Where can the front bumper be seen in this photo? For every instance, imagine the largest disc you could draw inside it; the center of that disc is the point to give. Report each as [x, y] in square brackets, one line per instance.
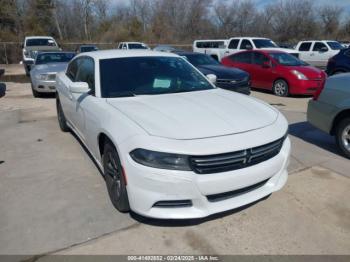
[147, 186]
[305, 87]
[44, 86]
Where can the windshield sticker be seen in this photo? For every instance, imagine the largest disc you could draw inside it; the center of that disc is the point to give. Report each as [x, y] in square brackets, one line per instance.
[161, 83]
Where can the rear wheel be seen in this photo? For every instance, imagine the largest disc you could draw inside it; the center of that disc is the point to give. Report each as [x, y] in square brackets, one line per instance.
[280, 88]
[342, 136]
[115, 180]
[60, 117]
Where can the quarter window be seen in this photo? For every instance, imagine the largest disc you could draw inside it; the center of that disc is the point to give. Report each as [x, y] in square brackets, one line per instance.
[259, 58]
[304, 47]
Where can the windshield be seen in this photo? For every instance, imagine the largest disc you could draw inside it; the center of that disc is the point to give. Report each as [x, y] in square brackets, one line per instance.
[137, 46]
[88, 48]
[287, 59]
[198, 60]
[40, 42]
[264, 43]
[335, 45]
[47, 58]
[149, 76]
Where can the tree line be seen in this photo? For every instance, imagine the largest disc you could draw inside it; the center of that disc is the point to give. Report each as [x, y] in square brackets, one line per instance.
[170, 21]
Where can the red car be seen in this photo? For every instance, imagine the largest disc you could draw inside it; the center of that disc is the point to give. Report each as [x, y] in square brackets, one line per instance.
[278, 71]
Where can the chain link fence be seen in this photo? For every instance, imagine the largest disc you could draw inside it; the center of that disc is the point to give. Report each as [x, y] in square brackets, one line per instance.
[11, 52]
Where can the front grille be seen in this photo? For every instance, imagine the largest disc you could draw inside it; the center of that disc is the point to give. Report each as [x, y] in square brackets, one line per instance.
[173, 203]
[235, 193]
[235, 160]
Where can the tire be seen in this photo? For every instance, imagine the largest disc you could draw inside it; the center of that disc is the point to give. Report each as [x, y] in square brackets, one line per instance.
[60, 117]
[342, 136]
[115, 180]
[280, 88]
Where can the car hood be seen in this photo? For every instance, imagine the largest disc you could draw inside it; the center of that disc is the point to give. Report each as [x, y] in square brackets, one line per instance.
[195, 115]
[51, 67]
[223, 72]
[309, 71]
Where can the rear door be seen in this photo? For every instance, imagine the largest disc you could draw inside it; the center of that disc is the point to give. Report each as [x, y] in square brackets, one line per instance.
[232, 47]
[305, 51]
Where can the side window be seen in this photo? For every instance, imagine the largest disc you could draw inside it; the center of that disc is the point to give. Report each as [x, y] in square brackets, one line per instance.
[86, 73]
[233, 44]
[304, 47]
[72, 70]
[245, 58]
[347, 53]
[246, 44]
[259, 58]
[319, 46]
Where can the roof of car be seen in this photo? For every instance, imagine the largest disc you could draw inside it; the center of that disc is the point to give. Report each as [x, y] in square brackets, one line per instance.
[118, 53]
[249, 37]
[38, 37]
[132, 43]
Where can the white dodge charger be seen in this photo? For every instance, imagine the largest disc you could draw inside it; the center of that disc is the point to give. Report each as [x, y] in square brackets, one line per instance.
[171, 144]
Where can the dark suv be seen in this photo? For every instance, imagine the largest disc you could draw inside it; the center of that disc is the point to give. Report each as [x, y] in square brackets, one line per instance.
[339, 63]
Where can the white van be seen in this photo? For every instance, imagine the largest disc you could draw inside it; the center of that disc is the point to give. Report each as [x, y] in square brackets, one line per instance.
[317, 52]
[237, 44]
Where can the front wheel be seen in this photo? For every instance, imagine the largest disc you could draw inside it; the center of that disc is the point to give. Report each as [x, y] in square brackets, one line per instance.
[280, 88]
[60, 117]
[115, 180]
[342, 136]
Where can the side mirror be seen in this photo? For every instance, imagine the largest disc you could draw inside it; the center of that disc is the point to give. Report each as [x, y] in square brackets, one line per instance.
[79, 87]
[323, 49]
[248, 47]
[212, 78]
[266, 64]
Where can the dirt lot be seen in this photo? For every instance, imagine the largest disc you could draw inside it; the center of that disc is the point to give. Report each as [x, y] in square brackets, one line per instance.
[53, 198]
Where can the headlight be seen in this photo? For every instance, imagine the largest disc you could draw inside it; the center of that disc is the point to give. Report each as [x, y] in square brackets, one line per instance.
[161, 160]
[299, 75]
[246, 79]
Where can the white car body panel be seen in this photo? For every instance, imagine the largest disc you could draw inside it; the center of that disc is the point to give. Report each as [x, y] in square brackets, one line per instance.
[315, 58]
[226, 50]
[195, 123]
